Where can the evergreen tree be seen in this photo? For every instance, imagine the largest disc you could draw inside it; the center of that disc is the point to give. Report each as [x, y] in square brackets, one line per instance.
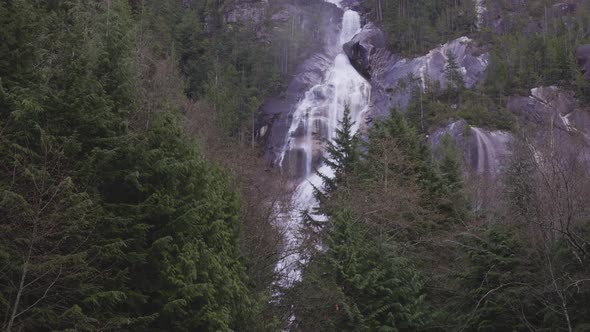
[414, 27]
[451, 163]
[365, 285]
[105, 227]
[342, 152]
[451, 168]
[453, 75]
[413, 149]
[519, 179]
[417, 105]
[502, 268]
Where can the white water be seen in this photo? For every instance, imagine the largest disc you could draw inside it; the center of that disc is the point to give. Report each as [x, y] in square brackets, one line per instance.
[491, 148]
[336, 2]
[480, 9]
[315, 120]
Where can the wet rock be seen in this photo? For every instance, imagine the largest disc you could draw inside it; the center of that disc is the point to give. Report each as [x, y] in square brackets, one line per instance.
[363, 46]
[276, 112]
[294, 163]
[355, 5]
[484, 151]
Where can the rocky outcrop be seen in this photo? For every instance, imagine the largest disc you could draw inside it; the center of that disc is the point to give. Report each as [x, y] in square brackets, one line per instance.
[368, 53]
[551, 114]
[548, 114]
[547, 105]
[362, 48]
[485, 151]
[583, 58]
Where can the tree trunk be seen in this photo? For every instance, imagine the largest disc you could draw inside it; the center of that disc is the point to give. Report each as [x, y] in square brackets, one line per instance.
[21, 285]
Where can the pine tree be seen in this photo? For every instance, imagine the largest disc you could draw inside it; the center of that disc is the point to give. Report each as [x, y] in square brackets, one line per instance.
[453, 73]
[451, 171]
[519, 179]
[498, 256]
[450, 164]
[53, 114]
[342, 152]
[104, 227]
[364, 285]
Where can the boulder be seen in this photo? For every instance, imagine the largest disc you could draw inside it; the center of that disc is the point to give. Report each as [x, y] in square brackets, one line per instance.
[363, 46]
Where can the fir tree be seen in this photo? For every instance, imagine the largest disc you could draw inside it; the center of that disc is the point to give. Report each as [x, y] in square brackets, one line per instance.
[105, 227]
[359, 284]
[342, 152]
[450, 166]
[453, 73]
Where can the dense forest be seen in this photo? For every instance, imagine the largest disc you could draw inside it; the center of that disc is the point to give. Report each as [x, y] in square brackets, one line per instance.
[136, 195]
[113, 216]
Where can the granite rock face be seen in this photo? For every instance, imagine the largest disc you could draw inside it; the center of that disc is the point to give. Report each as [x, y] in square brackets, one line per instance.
[263, 16]
[545, 105]
[368, 53]
[485, 151]
[362, 48]
[551, 114]
[548, 114]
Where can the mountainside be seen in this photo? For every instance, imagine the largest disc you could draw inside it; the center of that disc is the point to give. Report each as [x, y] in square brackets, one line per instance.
[295, 165]
[496, 92]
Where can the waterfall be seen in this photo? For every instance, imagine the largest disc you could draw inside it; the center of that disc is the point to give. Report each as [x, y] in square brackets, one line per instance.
[351, 23]
[315, 121]
[480, 10]
[336, 2]
[490, 149]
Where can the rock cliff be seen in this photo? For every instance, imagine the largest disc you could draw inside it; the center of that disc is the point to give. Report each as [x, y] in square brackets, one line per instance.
[368, 53]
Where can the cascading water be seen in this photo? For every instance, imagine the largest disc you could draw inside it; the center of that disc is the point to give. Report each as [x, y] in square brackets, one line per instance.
[315, 121]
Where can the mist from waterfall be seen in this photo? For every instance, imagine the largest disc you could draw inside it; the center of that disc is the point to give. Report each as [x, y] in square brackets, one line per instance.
[314, 122]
